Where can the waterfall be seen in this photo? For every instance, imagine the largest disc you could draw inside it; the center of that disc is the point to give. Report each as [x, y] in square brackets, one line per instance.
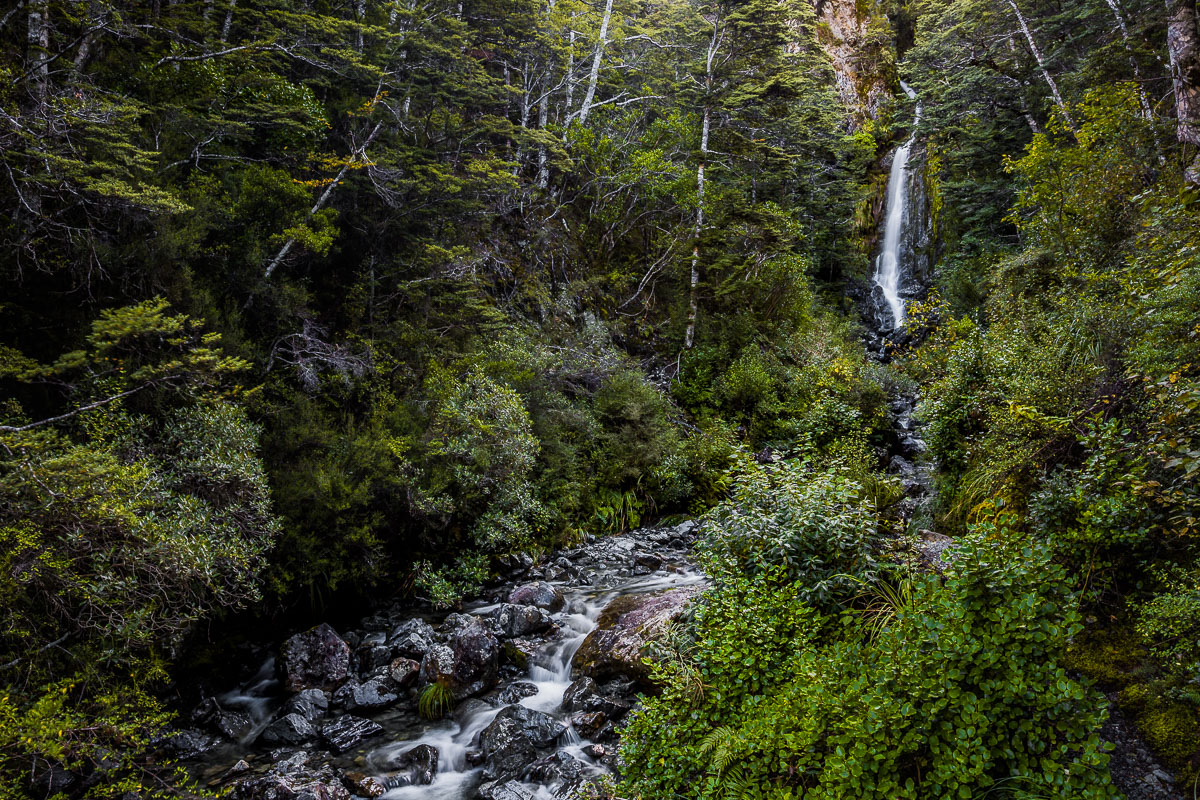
[888, 269]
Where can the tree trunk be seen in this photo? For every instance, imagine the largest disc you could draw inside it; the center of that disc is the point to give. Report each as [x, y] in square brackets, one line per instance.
[1183, 45]
[1041, 62]
[1143, 101]
[228, 24]
[689, 337]
[597, 57]
[38, 52]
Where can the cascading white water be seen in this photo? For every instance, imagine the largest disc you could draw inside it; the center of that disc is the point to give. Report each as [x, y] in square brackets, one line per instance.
[887, 265]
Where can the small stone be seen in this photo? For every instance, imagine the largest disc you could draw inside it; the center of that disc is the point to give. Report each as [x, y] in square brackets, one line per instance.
[588, 723]
[540, 594]
[515, 692]
[403, 671]
[595, 751]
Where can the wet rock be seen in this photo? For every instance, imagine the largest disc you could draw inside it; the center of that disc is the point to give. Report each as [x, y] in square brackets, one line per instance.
[557, 768]
[588, 723]
[53, 779]
[513, 620]
[317, 658]
[293, 779]
[625, 627]
[419, 765]
[412, 639]
[188, 744]
[468, 665]
[347, 732]
[515, 692]
[517, 652]
[290, 729]
[596, 751]
[312, 704]
[371, 657]
[538, 593]
[649, 561]
[511, 741]
[901, 466]
[363, 785]
[685, 529]
[240, 768]
[368, 696]
[403, 671]
[933, 550]
[505, 790]
[232, 725]
[585, 695]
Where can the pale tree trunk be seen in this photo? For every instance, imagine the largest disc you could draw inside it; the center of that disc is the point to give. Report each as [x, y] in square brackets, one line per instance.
[360, 12]
[1041, 62]
[359, 153]
[543, 174]
[689, 337]
[228, 24]
[1183, 45]
[570, 72]
[38, 53]
[1143, 101]
[597, 57]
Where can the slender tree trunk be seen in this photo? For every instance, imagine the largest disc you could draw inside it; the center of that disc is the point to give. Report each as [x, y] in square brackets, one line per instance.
[597, 57]
[1143, 101]
[360, 12]
[1041, 62]
[1183, 45]
[570, 90]
[38, 52]
[689, 337]
[228, 24]
[543, 175]
[323, 199]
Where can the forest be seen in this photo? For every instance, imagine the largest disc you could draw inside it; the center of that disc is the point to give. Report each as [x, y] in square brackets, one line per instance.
[327, 312]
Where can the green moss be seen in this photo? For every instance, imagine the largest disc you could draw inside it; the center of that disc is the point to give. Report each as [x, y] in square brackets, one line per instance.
[1170, 729]
[1113, 657]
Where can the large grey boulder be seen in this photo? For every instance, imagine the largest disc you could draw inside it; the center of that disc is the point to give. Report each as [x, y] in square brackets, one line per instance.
[347, 732]
[513, 620]
[625, 627]
[412, 639]
[366, 696]
[289, 730]
[315, 659]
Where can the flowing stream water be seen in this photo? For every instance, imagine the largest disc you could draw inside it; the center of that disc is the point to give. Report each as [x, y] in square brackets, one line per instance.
[889, 272]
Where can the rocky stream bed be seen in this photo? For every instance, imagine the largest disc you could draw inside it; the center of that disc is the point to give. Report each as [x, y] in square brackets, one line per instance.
[539, 677]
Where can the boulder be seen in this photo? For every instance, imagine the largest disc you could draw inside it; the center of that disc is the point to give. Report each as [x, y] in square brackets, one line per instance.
[312, 704]
[419, 766]
[187, 744]
[588, 723]
[595, 751]
[505, 790]
[367, 696]
[511, 741]
[289, 730]
[363, 785]
[513, 620]
[585, 696]
[293, 778]
[468, 665]
[315, 659]
[403, 671]
[348, 731]
[515, 692]
[517, 652]
[233, 725]
[625, 627]
[540, 594]
[557, 768]
[648, 561]
[370, 657]
[412, 639]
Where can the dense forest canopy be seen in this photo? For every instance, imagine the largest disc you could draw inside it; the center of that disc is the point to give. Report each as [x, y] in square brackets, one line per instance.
[309, 303]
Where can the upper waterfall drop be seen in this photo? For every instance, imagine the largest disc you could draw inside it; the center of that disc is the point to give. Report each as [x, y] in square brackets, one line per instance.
[887, 265]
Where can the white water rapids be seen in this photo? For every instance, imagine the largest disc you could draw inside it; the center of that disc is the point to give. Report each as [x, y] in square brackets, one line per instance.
[887, 266]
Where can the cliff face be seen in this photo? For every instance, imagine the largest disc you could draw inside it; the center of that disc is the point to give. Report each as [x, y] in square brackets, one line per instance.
[859, 40]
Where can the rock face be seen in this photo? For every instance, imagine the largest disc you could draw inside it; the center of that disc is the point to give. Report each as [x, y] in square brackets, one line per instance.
[625, 627]
[412, 639]
[511, 741]
[539, 594]
[862, 82]
[290, 729]
[468, 665]
[315, 659]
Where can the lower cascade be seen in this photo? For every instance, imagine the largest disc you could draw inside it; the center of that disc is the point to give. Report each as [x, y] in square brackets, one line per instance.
[890, 268]
[343, 712]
